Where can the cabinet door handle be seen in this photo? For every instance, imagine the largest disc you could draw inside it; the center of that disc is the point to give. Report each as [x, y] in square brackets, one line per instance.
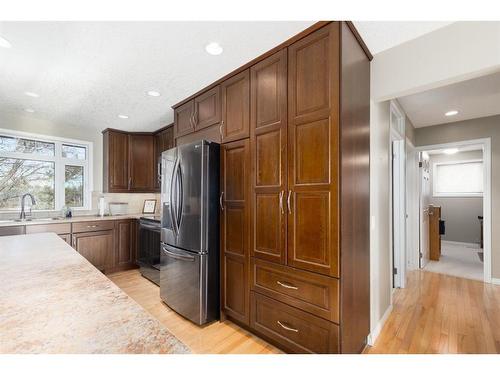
[129, 182]
[288, 286]
[284, 326]
[281, 202]
[195, 119]
[220, 129]
[288, 201]
[221, 202]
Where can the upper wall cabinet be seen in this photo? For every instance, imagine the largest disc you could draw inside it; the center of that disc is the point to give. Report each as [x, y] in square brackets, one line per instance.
[115, 158]
[164, 140]
[198, 113]
[129, 162]
[235, 107]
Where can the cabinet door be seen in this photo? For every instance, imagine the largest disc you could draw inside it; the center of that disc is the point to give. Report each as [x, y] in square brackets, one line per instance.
[235, 107]
[117, 166]
[142, 162]
[164, 140]
[234, 229]
[207, 109]
[268, 120]
[183, 119]
[313, 156]
[96, 247]
[124, 242]
[66, 238]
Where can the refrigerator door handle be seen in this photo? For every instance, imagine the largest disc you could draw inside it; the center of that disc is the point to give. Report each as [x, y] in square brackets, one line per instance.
[188, 258]
[173, 216]
[180, 200]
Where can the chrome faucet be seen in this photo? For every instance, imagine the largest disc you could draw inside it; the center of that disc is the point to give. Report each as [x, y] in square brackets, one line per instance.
[33, 202]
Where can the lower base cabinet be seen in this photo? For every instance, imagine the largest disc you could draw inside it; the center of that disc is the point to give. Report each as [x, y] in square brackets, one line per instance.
[96, 247]
[293, 329]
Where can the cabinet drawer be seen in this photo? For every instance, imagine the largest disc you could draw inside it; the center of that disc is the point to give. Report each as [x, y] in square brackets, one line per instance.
[294, 329]
[12, 231]
[59, 228]
[308, 291]
[92, 226]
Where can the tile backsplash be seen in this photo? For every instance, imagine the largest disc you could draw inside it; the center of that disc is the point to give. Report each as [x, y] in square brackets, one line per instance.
[135, 204]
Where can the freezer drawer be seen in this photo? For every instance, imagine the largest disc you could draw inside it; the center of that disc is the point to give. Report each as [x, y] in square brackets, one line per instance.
[183, 282]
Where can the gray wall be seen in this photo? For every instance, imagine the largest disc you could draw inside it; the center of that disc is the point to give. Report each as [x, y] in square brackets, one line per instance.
[459, 213]
[486, 127]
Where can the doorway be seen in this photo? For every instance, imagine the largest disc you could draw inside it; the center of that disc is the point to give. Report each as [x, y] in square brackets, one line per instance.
[454, 209]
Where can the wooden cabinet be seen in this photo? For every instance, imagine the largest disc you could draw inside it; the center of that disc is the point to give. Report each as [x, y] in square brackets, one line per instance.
[129, 162]
[268, 139]
[183, 119]
[235, 175]
[235, 107]
[115, 157]
[295, 190]
[96, 247]
[313, 152]
[207, 109]
[12, 231]
[142, 162]
[198, 113]
[164, 140]
[125, 238]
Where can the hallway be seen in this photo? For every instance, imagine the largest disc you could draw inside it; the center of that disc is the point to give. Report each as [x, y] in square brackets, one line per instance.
[442, 314]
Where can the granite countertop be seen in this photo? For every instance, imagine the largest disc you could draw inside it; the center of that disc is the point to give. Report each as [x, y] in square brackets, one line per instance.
[52, 300]
[74, 219]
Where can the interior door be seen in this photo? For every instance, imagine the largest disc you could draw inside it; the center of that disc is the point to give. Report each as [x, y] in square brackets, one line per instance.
[268, 135]
[425, 195]
[313, 152]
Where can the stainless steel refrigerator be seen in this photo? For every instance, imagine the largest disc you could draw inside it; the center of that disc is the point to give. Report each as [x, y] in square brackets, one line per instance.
[189, 261]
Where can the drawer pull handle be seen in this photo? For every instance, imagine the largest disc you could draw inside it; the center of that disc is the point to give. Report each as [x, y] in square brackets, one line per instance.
[284, 326]
[92, 226]
[286, 285]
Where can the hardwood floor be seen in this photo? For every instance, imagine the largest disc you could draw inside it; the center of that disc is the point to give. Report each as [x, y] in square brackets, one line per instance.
[435, 314]
[217, 337]
[442, 314]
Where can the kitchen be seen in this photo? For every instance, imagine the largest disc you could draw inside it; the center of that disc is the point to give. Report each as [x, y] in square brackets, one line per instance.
[190, 187]
[201, 205]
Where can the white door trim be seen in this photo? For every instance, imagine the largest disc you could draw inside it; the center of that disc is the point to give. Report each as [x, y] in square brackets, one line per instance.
[486, 143]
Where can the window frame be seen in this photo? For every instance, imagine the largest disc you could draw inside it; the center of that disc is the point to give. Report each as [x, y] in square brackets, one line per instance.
[60, 163]
[454, 195]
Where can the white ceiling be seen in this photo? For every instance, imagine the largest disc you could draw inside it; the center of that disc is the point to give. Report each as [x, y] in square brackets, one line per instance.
[87, 73]
[478, 97]
[382, 35]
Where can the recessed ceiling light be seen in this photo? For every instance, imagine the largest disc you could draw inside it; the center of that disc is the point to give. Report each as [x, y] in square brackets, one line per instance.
[32, 94]
[4, 43]
[29, 110]
[450, 151]
[153, 93]
[123, 116]
[451, 113]
[214, 48]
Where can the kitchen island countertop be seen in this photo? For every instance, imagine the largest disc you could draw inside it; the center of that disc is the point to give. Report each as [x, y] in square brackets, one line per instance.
[52, 300]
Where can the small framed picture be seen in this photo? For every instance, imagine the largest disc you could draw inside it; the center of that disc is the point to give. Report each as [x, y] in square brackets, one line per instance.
[149, 206]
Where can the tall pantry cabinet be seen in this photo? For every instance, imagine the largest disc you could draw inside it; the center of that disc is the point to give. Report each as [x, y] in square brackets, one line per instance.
[295, 192]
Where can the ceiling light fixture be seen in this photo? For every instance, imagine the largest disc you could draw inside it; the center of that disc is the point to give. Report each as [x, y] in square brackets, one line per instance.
[32, 94]
[450, 151]
[29, 110]
[153, 93]
[4, 43]
[451, 113]
[123, 116]
[214, 48]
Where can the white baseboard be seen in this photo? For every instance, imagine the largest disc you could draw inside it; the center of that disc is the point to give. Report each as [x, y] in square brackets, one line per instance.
[463, 244]
[372, 337]
[495, 281]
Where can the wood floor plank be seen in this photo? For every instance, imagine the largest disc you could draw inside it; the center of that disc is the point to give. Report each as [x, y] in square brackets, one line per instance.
[218, 337]
[438, 313]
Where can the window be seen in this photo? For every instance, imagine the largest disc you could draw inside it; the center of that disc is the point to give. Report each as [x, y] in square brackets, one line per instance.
[458, 179]
[56, 171]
